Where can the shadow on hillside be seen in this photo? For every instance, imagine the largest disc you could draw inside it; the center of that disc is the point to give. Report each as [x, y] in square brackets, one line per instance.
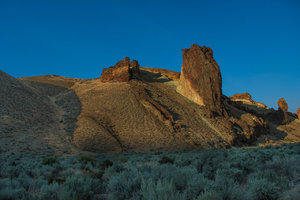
[67, 103]
[153, 77]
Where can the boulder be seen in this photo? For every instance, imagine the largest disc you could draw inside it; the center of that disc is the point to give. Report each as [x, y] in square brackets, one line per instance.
[123, 71]
[200, 78]
[282, 109]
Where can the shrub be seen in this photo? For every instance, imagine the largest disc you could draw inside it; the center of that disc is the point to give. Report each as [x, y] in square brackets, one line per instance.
[158, 153]
[230, 173]
[80, 187]
[11, 193]
[125, 184]
[50, 160]
[181, 177]
[198, 184]
[271, 176]
[209, 195]
[160, 190]
[291, 194]
[87, 159]
[228, 188]
[50, 192]
[165, 160]
[113, 170]
[106, 163]
[122, 159]
[262, 189]
[51, 179]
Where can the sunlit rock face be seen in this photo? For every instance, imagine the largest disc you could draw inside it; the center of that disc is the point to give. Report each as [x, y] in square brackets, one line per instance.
[123, 71]
[200, 79]
[246, 98]
[298, 113]
[283, 108]
[242, 96]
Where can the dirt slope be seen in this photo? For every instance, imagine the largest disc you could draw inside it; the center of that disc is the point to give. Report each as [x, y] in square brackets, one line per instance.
[31, 119]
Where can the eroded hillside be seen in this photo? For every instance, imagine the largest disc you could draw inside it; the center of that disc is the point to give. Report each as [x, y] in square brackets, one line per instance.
[131, 108]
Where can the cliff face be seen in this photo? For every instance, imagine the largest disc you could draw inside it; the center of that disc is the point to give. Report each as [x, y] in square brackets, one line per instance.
[200, 79]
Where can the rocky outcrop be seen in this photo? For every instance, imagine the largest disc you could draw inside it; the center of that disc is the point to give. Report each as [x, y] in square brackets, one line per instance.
[248, 128]
[298, 113]
[200, 79]
[242, 96]
[282, 109]
[123, 71]
[245, 98]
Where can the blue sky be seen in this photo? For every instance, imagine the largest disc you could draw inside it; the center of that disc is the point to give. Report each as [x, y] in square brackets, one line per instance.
[256, 43]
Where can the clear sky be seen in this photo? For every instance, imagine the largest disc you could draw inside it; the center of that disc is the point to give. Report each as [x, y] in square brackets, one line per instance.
[256, 43]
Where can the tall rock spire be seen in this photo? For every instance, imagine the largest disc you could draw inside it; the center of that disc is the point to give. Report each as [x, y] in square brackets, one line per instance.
[200, 79]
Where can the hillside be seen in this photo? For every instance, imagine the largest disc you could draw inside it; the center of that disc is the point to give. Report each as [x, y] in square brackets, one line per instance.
[132, 108]
[138, 116]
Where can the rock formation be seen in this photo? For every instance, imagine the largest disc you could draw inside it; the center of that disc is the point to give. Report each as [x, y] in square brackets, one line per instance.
[283, 108]
[298, 113]
[243, 96]
[200, 79]
[123, 71]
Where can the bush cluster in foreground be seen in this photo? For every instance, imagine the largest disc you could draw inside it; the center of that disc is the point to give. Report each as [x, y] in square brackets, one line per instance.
[247, 174]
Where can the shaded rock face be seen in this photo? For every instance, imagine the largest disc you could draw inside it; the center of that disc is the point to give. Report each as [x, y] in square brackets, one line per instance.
[248, 128]
[283, 108]
[298, 113]
[123, 71]
[200, 79]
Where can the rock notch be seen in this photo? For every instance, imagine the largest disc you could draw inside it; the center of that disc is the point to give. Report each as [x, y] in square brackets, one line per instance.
[283, 108]
[200, 79]
[123, 71]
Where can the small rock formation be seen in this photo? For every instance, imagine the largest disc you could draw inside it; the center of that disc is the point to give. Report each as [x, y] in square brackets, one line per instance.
[200, 79]
[298, 113]
[283, 108]
[123, 71]
[244, 96]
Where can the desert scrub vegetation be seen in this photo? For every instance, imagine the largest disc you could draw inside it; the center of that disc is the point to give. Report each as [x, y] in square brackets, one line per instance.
[267, 173]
